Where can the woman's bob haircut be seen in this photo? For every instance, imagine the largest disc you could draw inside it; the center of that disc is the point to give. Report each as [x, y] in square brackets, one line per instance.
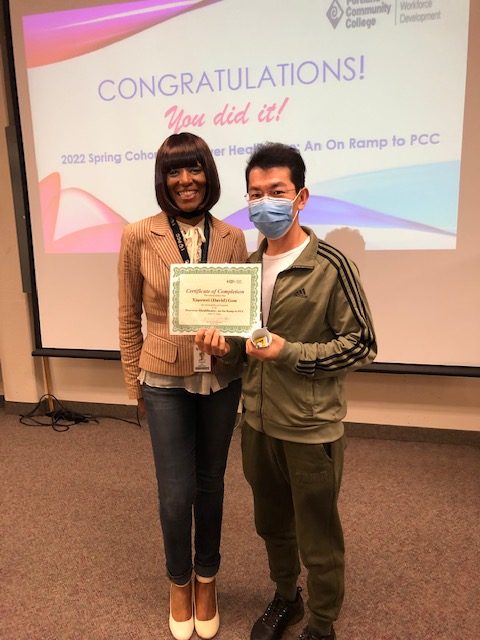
[185, 150]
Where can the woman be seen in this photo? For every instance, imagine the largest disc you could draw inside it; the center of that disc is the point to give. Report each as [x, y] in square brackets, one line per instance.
[190, 411]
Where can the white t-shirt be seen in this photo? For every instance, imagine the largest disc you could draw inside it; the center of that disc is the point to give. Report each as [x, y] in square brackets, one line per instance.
[271, 267]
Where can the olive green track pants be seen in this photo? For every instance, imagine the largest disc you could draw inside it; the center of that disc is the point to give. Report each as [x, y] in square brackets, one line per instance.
[295, 489]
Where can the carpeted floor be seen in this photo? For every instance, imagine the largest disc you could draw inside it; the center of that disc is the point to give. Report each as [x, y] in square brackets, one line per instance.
[82, 557]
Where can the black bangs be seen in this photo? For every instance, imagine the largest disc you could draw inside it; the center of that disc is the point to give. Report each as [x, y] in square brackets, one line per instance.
[178, 158]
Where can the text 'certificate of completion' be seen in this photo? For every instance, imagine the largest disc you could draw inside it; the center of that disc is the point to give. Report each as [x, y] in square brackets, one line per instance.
[224, 296]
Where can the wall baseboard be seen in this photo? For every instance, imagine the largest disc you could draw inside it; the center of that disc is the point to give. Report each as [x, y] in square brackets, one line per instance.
[412, 434]
[352, 429]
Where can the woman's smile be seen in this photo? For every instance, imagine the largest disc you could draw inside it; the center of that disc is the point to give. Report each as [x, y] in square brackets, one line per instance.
[187, 187]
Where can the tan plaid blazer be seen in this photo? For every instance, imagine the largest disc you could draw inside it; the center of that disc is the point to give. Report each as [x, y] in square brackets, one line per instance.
[148, 249]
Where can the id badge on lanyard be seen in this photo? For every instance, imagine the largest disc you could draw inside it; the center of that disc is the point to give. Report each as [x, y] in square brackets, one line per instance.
[202, 362]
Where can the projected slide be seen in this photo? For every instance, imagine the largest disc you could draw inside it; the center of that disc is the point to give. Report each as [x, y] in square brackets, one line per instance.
[372, 92]
[369, 92]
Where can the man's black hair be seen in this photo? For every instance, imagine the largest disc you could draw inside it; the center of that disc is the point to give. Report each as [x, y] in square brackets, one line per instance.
[275, 154]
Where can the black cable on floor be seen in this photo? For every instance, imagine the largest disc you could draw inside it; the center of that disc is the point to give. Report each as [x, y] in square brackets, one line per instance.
[60, 418]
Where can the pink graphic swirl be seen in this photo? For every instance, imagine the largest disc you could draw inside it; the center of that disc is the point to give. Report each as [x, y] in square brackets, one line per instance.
[75, 221]
[60, 35]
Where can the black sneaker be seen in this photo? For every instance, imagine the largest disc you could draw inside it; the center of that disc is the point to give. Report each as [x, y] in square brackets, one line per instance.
[310, 634]
[279, 615]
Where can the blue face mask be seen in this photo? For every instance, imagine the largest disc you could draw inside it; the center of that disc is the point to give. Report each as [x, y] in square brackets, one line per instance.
[273, 217]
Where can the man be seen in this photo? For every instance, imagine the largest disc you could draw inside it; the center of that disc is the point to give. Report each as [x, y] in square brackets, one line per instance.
[293, 437]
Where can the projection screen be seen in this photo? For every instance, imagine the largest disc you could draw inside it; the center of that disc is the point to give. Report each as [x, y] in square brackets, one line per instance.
[371, 92]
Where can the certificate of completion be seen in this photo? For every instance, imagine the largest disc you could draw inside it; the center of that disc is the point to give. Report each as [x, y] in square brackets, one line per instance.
[224, 296]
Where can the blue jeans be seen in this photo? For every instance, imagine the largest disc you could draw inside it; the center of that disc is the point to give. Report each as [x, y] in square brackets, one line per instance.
[191, 436]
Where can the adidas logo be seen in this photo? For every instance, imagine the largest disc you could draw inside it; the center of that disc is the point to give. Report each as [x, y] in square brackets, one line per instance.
[300, 293]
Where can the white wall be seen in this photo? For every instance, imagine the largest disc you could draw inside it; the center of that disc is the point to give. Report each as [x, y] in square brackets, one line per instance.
[415, 401]
[19, 370]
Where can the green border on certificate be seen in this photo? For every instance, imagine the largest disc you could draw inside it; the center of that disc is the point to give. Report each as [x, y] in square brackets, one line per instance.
[225, 296]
